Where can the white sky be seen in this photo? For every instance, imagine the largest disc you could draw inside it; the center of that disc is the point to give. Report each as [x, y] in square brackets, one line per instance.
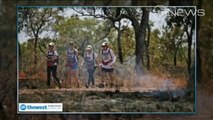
[158, 19]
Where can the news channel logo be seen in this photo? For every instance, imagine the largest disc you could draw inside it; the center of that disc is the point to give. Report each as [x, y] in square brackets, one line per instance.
[38, 107]
[23, 107]
[160, 12]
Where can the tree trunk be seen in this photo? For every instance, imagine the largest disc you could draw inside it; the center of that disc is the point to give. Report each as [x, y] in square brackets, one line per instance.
[189, 53]
[83, 45]
[147, 48]
[175, 58]
[35, 49]
[138, 52]
[185, 3]
[19, 49]
[19, 56]
[189, 41]
[196, 71]
[119, 44]
[140, 33]
[189, 35]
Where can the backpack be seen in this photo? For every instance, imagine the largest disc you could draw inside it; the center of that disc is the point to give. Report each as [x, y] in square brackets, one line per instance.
[105, 63]
[108, 52]
[93, 56]
[57, 59]
[75, 54]
[93, 61]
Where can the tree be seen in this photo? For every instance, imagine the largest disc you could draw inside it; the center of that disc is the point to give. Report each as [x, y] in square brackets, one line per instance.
[128, 43]
[120, 29]
[147, 43]
[137, 16]
[174, 38]
[82, 31]
[34, 21]
[188, 22]
[155, 48]
[189, 25]
[139, 23]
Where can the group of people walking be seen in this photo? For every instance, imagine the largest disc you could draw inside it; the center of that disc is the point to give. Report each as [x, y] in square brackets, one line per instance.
[91, 60]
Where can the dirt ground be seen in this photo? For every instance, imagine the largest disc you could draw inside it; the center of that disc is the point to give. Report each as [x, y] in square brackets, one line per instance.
[94, 102]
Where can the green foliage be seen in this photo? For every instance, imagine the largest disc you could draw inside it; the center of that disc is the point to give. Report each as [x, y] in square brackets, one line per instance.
[164, 45]
[127, 43]
[26, 61]
[82, 31]
[76, 29]
[33, 21]
[155, 48]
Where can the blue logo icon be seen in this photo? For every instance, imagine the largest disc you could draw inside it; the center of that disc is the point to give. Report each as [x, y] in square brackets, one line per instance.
[23, 107]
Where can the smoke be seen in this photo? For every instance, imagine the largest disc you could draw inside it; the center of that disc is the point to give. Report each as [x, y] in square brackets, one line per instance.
[151, 82]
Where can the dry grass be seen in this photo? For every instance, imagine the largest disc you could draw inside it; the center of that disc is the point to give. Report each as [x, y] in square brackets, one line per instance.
[125, 78]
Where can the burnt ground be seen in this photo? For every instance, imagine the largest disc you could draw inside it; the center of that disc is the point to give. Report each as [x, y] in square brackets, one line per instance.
[108, 100]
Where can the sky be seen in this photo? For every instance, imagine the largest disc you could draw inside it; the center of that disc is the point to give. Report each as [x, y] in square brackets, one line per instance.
[157, 18]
